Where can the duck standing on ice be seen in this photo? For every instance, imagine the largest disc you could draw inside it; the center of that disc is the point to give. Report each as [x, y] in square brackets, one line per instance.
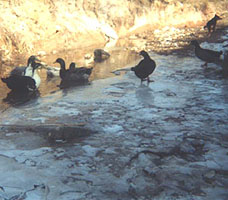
[206, 55]
[145, 67]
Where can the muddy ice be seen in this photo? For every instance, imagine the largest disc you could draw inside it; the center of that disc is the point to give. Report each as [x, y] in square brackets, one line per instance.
[119, 139]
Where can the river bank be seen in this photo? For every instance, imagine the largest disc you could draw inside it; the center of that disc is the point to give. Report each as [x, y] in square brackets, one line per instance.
[45, 27]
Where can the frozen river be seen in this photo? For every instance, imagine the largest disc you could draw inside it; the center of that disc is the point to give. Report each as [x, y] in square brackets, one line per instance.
[119, 139]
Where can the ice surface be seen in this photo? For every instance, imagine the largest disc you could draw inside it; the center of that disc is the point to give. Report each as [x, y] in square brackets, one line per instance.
[122, 139]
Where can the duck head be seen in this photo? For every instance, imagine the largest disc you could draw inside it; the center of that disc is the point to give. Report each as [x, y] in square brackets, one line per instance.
[217, 17]
[194, 43]
[72, 67]
[144, 54]
[32, 70]
[61, 62]
[32, 59]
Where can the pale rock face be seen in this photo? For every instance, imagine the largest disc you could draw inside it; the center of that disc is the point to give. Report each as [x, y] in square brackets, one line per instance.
[74, 24]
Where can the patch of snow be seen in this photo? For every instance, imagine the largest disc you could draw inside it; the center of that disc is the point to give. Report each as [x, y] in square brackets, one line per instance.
[113, 129]
[90, 151]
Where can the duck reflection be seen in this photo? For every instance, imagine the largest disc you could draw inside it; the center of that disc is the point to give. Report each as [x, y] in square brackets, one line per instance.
[19, 98]
[144, 95]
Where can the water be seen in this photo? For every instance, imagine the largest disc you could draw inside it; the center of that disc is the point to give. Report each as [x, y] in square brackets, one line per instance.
[120, 58]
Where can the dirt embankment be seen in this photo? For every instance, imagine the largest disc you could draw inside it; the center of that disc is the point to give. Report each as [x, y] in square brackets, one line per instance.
[46, 26]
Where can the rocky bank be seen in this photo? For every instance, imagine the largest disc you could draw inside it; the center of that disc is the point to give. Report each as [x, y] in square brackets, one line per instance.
[47, 26]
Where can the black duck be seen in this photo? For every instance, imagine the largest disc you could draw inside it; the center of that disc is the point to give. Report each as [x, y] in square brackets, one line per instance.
[24, 82]
[73, 75]
[206, 55]
[145, 67]
[19, 83]
[211, 24]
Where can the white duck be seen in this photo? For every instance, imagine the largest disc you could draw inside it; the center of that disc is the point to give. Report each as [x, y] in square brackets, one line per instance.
[21, 70]
[31, 71]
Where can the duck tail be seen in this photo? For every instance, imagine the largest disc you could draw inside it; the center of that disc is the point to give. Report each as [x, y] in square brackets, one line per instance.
[133, 69]
[89, 70]
[221, 56]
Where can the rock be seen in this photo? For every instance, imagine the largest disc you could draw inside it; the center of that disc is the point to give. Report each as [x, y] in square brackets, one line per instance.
[88, 60]
[88, 56]
[100, 55]
[41, 53]
[210, 174]
[54, 52]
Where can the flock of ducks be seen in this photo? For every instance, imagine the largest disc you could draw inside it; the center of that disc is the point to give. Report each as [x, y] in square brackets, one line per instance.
[26, 78]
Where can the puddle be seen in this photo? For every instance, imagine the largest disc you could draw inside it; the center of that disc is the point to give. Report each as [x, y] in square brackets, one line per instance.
[52, 135]
[119, 58]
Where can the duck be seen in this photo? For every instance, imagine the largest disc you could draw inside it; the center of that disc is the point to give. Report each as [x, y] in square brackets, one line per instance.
[206, 55]
[22, 70]
[18, 83]
[83, 73]
[73, 74]
[52, 71]
[145, 67]
[32, 71]
[28, 82]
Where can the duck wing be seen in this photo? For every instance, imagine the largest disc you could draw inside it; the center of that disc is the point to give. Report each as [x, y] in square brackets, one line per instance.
[150, 66]
[144, 68]
[83, 70]
[208, 55]
[19, 83]
[77, 75]
[20, 71]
